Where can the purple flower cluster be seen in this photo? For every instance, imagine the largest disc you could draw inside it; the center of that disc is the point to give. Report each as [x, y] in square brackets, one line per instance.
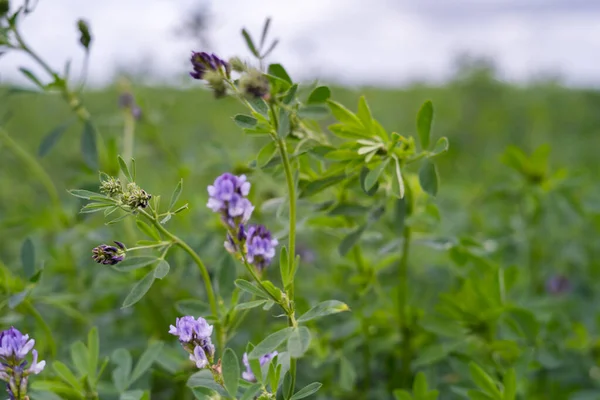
[202, 62]
[14, 347]
[255, 244]
[558, 285]
[194, 336]
[260, 246]
[109, 255]
[228, 197]
[247, 374]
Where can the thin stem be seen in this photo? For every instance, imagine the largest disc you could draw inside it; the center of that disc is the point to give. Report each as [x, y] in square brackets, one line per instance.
[35, 168]
[404, 326]
[150, 246]
[33, 55]
[203, 271]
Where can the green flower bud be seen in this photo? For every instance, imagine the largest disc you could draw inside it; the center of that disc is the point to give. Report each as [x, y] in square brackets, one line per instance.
[238, 65]
[216, 82]
[254, 84]
[111, 187]
[136, 197]
[86, 37]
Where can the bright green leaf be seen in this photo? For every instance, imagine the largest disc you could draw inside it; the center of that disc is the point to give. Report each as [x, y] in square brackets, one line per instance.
[306, 391]
[424, 118]
[324, 308]
[319, 95]
[270, 343]
[428, 177]
[139, 290]
[231, 371]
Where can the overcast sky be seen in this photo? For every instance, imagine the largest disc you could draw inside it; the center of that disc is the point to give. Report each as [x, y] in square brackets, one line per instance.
[350, 41]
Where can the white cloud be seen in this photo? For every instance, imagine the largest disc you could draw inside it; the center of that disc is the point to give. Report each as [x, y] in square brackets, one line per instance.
[352, 41]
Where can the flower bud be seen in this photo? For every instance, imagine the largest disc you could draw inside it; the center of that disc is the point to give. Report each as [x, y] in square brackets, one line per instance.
[109, 255]
[136, 197]
[86, 37]
[254, 84]
[238, 65]
[111, 187]
[216, 82]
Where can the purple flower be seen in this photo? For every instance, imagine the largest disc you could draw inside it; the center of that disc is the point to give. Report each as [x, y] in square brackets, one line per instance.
[260, 246]
[558, 285]
[14, 347]
[247, 374]
[194, 336]
[227, 196]
[202, 62]
[109, 255]
[198, 356]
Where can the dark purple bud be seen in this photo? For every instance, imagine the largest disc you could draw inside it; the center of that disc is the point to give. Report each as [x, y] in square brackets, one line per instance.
[202, 62]
[241, 236]
[121, 245]
[108, 255]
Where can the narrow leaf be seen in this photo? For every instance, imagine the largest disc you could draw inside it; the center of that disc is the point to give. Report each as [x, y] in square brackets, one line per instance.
[484, 381]
[146, 361]
[250, 43]
[93, 354]
[306, 391]
[284, 127]
[250, 304]
[245, 121]
[66, 375]
[270, 343]
[231, 372]
[284, 266]
[319, 95]
[428, 177]
[350, 240]
[131, 263]
[162, 269]
[139, 290]
[125, 169]
[149, 231]
[31, 76]
[52, 138]
[280, 72]
[324, 308]
[176, 194]
[373, 175]
[298, 341]
[250, 288]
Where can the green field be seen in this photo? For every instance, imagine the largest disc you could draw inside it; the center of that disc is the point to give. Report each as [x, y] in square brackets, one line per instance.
[486, 221]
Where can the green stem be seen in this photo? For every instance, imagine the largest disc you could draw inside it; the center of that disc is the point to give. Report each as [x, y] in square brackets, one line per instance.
[404, 323]
[291, 245]
[203, 271]
[150, 246]
[361, 267]
[35, 168]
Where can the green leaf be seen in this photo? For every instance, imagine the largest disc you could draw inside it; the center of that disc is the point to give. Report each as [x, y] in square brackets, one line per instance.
[260, 106]
[270, 343]
[250, 43]
[272, 290]
[265, 31]
[251, 392]
[306, 391]
[424, 118]
[31, 76]
[441, 146]
[350, 240]
[250, 304]
[420, 388]
[134, 395]
[347, 375]
[150, 232]
[373, 175]
[364, 113]
[245, 121]
[146, 360]
[88, 146]
[162, 269]
[252, 289]
[324, 308]
[52, 138]
[139, 290]
[484, 381]
[428, 177]
[477, 395]
[131, 263]
[298, 342]
[280, 72]
[266, 153]
[284, 266]
[28, 258]
[83, 194]
[122, 373]
[176, 194]
[319, 95]
[203, 393]
[93, 346]
[343, 115]
[319, 185]
[80, 357]
[284, 127]
[315, 112]
[66, 375]
[364, 172]
[510, 385]
[290, 94]
[231, 372]
[398, 181]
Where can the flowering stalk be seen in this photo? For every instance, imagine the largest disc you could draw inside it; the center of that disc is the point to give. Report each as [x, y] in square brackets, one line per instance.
[203, 271]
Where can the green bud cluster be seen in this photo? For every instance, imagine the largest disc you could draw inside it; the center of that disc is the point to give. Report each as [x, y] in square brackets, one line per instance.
[135, 196]
[254, 84]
